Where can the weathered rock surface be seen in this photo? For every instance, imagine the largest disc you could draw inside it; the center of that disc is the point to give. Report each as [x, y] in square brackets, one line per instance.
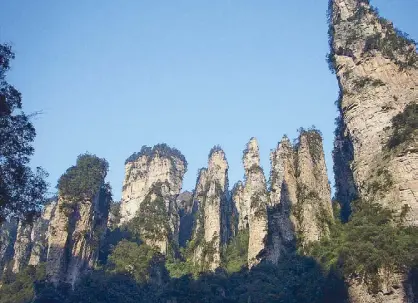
[377, 71]
[212, 227]
[40, 233]
[254, 203]
[300, 197]
[22, 246]
[160, 164]
[187, 210]
[75, 233]
[8, 232]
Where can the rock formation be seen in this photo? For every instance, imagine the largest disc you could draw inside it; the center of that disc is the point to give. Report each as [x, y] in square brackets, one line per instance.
[40, 234]
[154, 176]
[377, 71]
[254, 203]
[376, 151]
[187, 210]
[300, 196]
[22, 246]
[146, 168]
[8, 233]
[79, 221]
[212, 227]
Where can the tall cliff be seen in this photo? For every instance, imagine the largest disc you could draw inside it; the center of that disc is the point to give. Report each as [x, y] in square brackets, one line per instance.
[8, 231]
[300, 195]
[377, 71]
[79, 220]
[212, 227]
[376, 146]
[254, 199]
[154, 176]
[160, 164]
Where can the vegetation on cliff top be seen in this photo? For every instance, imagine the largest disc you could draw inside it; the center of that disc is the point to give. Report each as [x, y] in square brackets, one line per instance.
[162, 150]
[84, 180]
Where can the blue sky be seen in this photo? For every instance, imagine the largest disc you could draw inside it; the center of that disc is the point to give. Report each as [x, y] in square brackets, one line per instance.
[111, 76]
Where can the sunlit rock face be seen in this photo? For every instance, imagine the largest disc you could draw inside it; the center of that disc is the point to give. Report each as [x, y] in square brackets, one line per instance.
[300, 208]
[161, 164]
[254, 201]
[377, 71]
[212, 227]
[74, 235]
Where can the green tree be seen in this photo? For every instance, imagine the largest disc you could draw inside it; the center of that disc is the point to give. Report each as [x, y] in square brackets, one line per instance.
[22, 191]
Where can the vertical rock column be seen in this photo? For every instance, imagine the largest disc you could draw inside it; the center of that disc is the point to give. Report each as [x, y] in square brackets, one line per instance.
[255, 201]
[377, 72]
[313, 210]
[39, 235]
[283, 195]
[212, 222]
[22, 246]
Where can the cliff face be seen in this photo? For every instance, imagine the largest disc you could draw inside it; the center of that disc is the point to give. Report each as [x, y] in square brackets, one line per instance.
[187, 210]
[212, 227]
[377, 70]
[160, 164]
[75, 232]
[376, 150]
[8, 233]
[153, 180]
[40, 235]
[300, 197]
[254, 203]
[22, 246]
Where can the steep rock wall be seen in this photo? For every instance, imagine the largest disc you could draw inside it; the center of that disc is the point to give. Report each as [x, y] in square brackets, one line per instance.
[40, 234]
[160, 164]
[212, 227]
[75, 232]
[254, 203]
[377, 72]
[300, 196]
[8, 233]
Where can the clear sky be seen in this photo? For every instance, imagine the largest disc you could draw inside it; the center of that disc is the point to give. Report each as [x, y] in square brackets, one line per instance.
[111, 76]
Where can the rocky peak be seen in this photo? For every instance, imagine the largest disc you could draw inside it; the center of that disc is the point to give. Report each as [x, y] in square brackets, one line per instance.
[79, 221]
[254, 199]
[300, 197]
[251, 155]
[160, 164]
[377, 70]
[212, 226]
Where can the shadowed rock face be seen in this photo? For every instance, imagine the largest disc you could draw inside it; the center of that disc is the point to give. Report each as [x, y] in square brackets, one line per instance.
[187, 211]
[75, 232]
[300, 196]
[8, 232]
[377, 71]
[212, 228]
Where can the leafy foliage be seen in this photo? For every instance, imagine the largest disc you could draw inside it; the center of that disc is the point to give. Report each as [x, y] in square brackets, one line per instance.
[20, 288]
[22, 191]
[134, 259]
[404, 126]
[83, 180]
[236, 252]
[369, 242]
